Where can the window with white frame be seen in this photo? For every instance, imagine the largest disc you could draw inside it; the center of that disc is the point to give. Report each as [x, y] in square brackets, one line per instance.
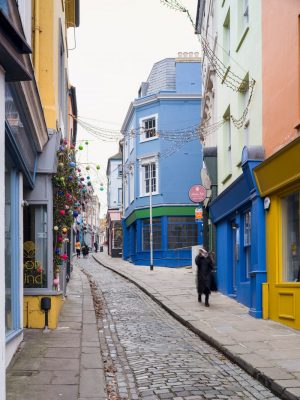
[148, 127]
[148, 176]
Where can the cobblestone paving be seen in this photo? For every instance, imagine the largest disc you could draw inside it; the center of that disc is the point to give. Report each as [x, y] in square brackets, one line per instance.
[149, 355]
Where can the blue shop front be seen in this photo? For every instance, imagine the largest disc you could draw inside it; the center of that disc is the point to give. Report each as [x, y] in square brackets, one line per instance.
[239, 216]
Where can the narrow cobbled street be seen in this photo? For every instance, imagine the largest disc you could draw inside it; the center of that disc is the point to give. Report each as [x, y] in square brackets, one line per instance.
[147, 354]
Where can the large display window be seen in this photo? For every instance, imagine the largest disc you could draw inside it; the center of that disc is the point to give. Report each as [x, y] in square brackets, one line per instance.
[12, 281]
[35, 246]
[291, 238]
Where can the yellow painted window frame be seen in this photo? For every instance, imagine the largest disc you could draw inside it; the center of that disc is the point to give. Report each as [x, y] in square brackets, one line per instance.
[279, 267]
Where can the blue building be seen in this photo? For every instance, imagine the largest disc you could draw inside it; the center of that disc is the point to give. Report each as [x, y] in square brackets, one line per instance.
[241, 255]
[162, 153]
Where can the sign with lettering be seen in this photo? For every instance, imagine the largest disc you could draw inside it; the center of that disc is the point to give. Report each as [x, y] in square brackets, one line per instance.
[198, 214]
[197, 193]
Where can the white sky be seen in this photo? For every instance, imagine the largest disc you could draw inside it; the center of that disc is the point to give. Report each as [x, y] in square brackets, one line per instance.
[117, 43]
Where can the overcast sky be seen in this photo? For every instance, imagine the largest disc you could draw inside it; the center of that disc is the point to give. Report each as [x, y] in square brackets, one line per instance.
[117, 43]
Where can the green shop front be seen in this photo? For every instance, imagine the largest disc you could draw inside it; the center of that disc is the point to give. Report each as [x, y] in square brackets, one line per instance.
[174, 229]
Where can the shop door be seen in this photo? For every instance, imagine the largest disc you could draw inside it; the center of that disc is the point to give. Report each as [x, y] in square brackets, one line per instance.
[235, 254]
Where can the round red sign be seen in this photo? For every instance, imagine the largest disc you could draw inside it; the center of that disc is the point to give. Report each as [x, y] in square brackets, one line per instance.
[197, 193]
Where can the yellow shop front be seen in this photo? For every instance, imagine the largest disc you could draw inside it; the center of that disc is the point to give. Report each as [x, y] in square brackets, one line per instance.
[278, 180]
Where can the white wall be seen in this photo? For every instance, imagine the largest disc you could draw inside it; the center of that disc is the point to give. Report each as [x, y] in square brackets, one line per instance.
[115, 183]
[25, 13]
[2, 235]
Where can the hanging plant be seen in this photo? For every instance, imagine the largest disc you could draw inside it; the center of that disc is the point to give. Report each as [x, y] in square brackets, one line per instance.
[65, 190]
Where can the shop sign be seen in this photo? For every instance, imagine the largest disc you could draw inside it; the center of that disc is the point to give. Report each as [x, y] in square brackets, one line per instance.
[199, 214]
[197, 193]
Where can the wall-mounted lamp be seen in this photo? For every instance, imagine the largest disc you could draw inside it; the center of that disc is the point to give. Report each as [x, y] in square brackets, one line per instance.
[234, 225]
[267, 203]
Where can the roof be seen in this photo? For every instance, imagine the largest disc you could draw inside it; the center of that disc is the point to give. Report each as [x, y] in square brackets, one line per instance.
[162, 76]
[117, 156]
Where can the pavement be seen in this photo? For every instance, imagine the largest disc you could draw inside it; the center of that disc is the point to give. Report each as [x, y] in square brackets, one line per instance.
[66, 363]
[267, 350]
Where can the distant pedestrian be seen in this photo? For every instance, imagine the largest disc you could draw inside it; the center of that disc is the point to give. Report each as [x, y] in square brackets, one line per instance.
[85, 250]
[77, 248]
[204, 273]
[96, 246]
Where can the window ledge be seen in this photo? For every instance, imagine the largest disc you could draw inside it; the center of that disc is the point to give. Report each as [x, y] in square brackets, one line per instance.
[225, 75]
[227, 177]
[242, 39]
[148, 195]
[142, 140]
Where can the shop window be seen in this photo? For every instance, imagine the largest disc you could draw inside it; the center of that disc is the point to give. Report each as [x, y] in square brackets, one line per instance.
[291, 238]
[4, 7]
[12, 264]
[117, 236]
[35, 246]
[8, 254]
[182, 232]
[156, 234]
[247, 243]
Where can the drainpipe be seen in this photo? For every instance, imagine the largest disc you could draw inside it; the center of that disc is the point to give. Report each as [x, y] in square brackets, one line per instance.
[36, 30]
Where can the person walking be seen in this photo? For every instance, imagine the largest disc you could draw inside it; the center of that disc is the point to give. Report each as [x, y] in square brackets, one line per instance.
[77, 248]
[204, 270]
[96, 246]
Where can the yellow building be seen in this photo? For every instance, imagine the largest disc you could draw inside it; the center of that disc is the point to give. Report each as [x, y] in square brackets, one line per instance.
[50, 21]
[279, 183]
[278, 177]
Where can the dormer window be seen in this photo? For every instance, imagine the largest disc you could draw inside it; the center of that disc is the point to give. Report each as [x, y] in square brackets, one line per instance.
[148, 128]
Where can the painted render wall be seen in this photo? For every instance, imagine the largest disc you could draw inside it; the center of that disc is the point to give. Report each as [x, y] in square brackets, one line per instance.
[177, 172]
[281, 107]
[114, 184]
[241, 62]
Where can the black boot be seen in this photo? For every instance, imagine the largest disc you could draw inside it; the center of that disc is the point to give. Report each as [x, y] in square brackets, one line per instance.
[199, 298]
[206, 301]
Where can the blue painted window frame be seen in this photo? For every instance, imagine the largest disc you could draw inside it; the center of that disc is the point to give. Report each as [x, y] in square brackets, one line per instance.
[245, 243]
[156, 228]
[188, 223]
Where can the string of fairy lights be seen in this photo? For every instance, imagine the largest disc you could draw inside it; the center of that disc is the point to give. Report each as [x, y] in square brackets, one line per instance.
[223, 72]
[178, 138]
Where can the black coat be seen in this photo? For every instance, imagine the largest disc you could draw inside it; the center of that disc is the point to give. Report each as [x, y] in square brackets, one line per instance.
[204, 274]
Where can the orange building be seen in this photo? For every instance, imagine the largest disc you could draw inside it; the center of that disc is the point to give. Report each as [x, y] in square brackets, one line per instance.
[278, 177]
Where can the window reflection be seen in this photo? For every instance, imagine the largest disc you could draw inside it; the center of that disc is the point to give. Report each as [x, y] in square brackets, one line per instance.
[35, 246]
[4, 7]
[290, 238]
[8, 252]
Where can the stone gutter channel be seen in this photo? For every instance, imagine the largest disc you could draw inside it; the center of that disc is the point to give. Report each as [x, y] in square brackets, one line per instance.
[120, 383]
